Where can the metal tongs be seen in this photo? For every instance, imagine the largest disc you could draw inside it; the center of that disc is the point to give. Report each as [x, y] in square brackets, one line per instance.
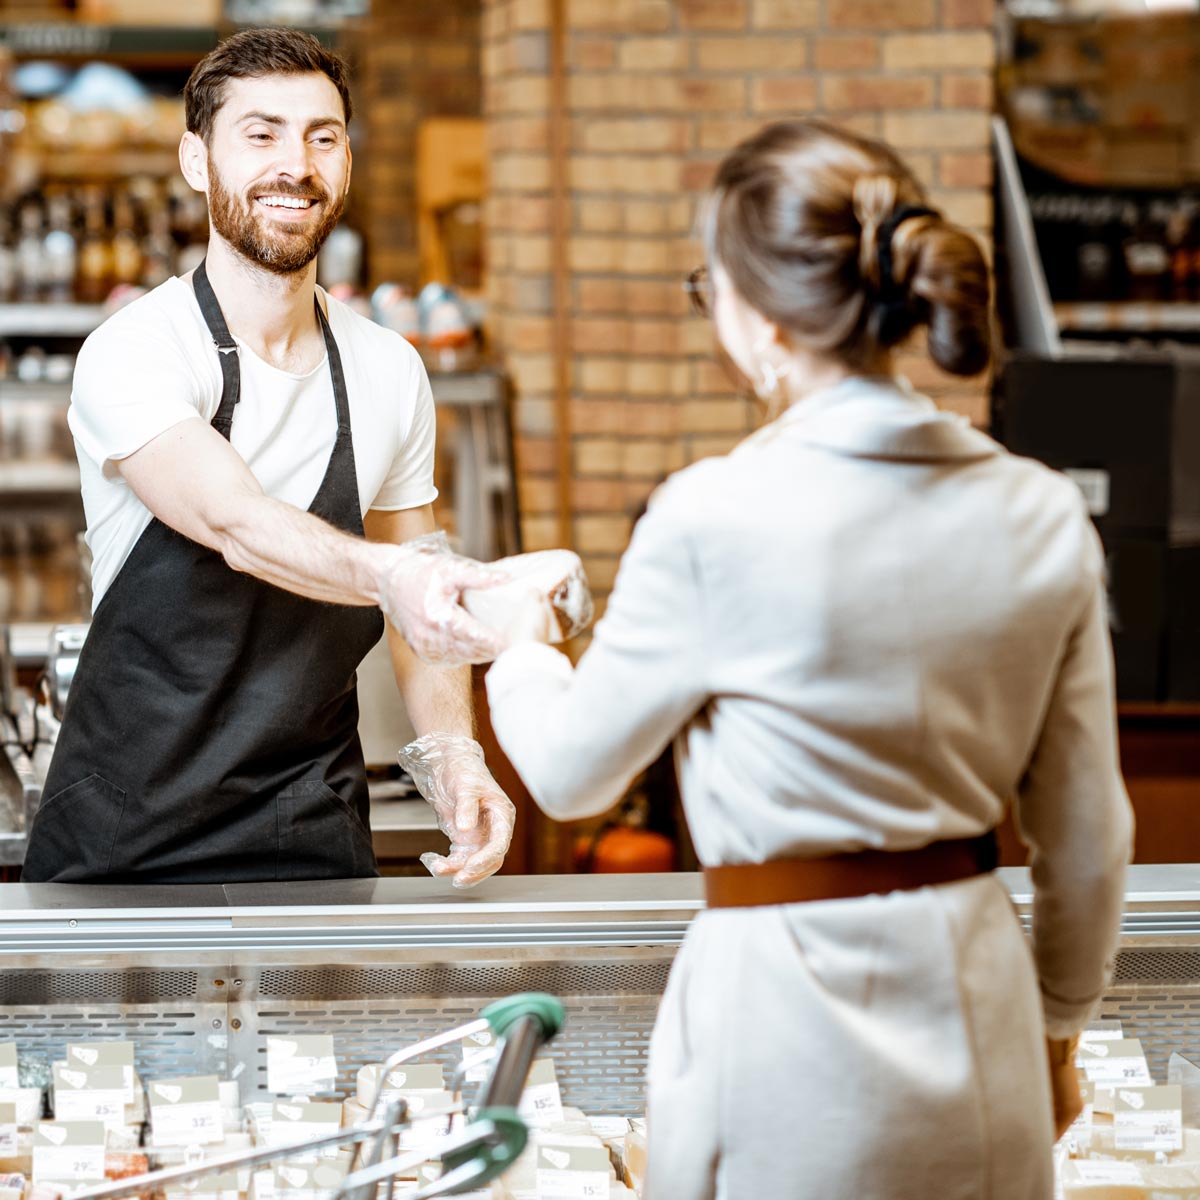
[496, 1134]
[488, 1145]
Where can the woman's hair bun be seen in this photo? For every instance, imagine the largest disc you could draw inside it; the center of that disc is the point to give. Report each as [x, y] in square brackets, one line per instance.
[947, 277]
[798, 216]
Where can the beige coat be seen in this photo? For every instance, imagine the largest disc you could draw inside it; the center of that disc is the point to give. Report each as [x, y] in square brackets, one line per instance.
[869, 626]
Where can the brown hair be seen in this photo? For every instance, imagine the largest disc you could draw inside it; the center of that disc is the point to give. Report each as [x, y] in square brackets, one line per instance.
[796, 222]
[252, 54]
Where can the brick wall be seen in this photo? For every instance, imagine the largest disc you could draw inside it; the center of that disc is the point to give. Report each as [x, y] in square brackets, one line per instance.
[656, 91]
[411, 61]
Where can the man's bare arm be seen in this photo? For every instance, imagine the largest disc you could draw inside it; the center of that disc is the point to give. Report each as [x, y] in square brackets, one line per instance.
[194, 481]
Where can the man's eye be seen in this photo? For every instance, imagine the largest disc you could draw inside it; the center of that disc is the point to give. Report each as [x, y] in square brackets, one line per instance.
[257, 137]
[325, 141]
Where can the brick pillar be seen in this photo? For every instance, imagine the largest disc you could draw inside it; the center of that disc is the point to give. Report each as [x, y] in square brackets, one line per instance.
[657, 91]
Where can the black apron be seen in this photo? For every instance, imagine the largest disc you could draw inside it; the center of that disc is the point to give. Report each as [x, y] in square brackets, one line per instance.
[211, 731]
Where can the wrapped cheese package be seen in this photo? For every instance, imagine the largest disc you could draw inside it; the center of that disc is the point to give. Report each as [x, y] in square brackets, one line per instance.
[1129, 1181]
[546, 600]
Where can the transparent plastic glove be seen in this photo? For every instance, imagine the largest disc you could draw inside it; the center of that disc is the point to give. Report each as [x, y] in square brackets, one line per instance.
[471, 810]
[420, 593]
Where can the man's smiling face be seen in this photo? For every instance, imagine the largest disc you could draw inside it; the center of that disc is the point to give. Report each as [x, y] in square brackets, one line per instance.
[278, 168]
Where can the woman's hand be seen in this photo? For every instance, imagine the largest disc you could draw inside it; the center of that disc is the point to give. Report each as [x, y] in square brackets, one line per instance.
[1064, 1083]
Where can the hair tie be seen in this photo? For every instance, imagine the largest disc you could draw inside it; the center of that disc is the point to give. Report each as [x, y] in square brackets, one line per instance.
[883, 241]
[895, 315]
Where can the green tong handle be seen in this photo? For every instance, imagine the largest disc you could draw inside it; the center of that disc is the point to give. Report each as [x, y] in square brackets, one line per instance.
[545, 1009]
[470, 1168]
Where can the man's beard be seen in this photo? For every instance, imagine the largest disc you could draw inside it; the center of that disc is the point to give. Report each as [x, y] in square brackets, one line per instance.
[275, 248]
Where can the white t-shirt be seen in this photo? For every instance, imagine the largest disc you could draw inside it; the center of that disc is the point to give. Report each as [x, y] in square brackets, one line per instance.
[153, 364]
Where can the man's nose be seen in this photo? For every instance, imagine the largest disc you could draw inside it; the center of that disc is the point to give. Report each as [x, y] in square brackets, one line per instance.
[294, 158]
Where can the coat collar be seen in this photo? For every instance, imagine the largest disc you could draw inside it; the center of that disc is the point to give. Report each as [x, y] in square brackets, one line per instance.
[879, 418]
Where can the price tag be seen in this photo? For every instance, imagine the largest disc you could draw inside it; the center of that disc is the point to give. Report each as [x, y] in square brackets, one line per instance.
[27, 1101]
[1113, 1063]
[263, 1184]
[478, 1050]
[431, 1172]
[186, 1112]
[297, 1122]
[1096, 487]
[1149, 1118]
[609, 1129]
[216, 1187]
[8, 1130]
[572, 1172]
[430, 1118]
[541, 1102]
[301, 1065]
[307, 1181]
[414, 1077]
[1103, 1031]
[1108, 1172]
[91, 1094]
[65, 1151]
[1078, 1138]
[86, 1055]
[9, 1073]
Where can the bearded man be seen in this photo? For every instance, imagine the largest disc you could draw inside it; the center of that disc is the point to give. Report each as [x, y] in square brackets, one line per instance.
[256, 462]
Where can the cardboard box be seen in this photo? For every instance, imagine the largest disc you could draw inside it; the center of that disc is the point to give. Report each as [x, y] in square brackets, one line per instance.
[149, 12]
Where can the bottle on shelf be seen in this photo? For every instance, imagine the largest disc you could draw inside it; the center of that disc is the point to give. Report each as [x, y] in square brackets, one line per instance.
[30, 258]
[158, 256]
[1096, 273]
[126, 246]
[1147, 260]
[8, 259]
[95, 275]
[59, 251]
[1193, 245]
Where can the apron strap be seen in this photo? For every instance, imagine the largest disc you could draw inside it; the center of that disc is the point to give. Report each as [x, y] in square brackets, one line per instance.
[231, 374]
[340, 397]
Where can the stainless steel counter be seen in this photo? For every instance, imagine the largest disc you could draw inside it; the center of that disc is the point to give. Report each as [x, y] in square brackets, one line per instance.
[199, 977]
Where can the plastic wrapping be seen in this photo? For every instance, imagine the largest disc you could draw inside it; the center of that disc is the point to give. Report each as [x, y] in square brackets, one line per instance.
[471, 810]
[420, 594]
[547, 598]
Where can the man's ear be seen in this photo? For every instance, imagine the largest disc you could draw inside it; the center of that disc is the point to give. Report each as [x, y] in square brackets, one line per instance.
[193, 161]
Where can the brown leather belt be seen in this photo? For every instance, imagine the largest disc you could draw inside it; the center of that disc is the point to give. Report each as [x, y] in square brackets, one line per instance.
[843, 876]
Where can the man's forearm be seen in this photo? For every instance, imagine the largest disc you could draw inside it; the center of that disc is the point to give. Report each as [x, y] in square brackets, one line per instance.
[437, 699]
[294, 550]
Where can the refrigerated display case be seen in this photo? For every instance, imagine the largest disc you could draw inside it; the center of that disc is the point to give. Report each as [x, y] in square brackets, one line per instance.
[199, 977]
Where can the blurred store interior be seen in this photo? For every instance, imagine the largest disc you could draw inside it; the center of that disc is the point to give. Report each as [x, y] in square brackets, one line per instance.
[527, 175]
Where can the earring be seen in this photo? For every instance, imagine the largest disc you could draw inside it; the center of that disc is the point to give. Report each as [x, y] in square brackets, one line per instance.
[769, 390]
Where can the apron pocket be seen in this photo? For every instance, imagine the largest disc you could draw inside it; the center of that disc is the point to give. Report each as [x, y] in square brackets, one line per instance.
[320, 835]
[74, 833]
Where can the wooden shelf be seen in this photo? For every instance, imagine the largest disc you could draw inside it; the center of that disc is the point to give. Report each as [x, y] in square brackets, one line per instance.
[108, 164]
[1129, 317]
[1149, 710]
[49, 320]
[19, 478]
[132, 45]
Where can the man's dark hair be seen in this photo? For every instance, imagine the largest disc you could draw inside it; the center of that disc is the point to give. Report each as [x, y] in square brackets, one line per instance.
[252, 54]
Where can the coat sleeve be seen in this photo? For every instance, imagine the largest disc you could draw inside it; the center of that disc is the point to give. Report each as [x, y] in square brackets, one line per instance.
[579, 737]
[1074, 814]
